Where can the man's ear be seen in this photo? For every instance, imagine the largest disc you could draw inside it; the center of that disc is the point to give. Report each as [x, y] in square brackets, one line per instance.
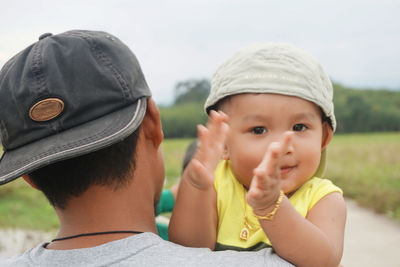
[327, 134]
[29, 181]
[151, 124]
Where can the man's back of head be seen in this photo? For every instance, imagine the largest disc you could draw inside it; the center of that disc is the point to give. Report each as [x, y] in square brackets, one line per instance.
[65, 96]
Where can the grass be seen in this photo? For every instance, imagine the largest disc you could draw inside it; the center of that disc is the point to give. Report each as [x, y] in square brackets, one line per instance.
[24, 207]
[174, 150]
[365, 166]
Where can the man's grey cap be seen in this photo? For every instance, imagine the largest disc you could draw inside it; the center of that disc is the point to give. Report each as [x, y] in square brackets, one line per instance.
[67, 95]
[276, 68]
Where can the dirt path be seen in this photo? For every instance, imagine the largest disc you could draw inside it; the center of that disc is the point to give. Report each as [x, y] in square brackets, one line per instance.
[14, 241]
[370, 240]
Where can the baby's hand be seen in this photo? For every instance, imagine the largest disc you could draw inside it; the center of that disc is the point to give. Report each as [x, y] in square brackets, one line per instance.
[200, 171]
[266, 183]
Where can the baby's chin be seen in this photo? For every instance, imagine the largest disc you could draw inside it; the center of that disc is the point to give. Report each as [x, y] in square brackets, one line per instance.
[246, 183]
[288, 188]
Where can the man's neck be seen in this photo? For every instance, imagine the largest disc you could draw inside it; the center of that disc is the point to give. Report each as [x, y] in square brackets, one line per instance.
[101, 209]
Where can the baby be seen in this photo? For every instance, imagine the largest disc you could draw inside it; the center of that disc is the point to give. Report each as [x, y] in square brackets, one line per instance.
[267, 190]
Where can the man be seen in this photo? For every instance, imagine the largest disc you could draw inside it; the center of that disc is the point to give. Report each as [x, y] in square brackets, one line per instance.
[77, 121]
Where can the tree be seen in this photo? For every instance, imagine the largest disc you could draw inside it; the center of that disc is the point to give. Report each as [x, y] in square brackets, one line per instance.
[191, 91]
[359, 118]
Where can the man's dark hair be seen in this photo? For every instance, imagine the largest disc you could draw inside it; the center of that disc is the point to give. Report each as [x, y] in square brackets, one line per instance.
[72, 177]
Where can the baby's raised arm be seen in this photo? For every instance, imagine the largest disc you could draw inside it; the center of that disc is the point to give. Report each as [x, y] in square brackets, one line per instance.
[313, 241]
[194, 218]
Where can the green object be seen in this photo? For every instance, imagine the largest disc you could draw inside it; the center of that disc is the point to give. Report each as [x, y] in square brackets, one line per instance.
[166, 204]
[162, 229]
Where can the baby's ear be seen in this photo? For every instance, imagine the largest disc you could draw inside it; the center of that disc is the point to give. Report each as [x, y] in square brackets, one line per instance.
[327, 134]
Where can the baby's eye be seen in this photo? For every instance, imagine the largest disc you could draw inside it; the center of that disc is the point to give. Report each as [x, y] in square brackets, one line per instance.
[299, 127]
[259, 130]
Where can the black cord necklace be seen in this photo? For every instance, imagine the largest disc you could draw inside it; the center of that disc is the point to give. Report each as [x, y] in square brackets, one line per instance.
[96, 233]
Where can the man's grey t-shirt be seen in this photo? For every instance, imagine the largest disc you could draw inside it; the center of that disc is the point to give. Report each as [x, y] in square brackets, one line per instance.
[145, 249]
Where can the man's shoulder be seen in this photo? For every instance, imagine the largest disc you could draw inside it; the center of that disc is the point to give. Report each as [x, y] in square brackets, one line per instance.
[170, 254]
[18, 260]
[145, 249]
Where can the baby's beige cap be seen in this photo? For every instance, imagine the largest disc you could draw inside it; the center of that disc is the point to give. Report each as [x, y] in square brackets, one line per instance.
[277, 68]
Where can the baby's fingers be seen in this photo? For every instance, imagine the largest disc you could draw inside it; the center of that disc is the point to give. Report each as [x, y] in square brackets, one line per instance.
[256, 191]
[286, 142]
[217, 127]
[273, 157]
[199, 176]
[212, 138]
[215, 119]
[270, 165]
[262, 192]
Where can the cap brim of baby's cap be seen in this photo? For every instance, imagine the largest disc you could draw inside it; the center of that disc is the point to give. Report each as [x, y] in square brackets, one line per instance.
[322, 164]
[76, 141]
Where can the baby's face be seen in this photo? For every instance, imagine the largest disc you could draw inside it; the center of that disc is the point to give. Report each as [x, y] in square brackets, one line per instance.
[256, 120]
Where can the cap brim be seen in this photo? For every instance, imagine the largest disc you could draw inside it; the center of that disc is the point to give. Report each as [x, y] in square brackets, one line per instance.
[322, 164]
[82, 139]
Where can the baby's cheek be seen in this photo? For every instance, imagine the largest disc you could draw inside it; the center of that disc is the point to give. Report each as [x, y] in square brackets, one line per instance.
[313, 158]
[244, 162]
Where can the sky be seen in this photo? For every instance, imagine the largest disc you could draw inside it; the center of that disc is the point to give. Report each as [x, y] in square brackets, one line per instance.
[356, 41]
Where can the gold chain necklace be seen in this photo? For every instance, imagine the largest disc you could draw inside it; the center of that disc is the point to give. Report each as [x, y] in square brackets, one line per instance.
[245, 232]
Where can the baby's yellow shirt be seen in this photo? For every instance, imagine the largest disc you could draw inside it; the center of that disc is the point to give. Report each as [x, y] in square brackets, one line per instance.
[230, 206]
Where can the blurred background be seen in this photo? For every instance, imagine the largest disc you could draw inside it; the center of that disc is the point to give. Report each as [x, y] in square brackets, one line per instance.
[181, 43]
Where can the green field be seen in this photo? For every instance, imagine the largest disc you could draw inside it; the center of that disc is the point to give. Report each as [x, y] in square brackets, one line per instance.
[365, 166]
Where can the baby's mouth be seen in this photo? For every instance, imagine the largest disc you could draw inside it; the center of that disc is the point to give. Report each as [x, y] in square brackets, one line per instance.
[286, 169]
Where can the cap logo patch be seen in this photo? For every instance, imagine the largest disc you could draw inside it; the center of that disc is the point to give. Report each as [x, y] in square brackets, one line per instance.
[46, 109]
